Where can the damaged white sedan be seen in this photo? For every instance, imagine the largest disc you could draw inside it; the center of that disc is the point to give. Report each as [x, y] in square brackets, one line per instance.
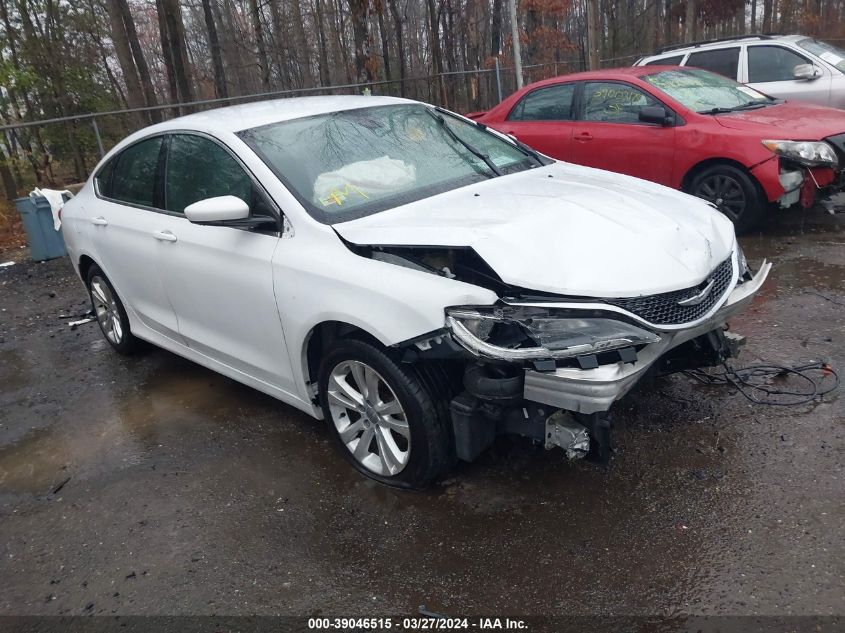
[422, 283]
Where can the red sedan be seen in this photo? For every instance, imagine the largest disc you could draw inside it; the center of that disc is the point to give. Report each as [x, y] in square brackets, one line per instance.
[684, 128]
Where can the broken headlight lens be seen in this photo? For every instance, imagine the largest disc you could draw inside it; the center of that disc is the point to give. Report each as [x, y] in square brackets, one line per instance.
[523, 333]
[809, 153]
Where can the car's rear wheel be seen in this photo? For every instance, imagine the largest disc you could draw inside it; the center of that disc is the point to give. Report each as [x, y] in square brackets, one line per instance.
[733, 192]
[382, 416]
[110, 313]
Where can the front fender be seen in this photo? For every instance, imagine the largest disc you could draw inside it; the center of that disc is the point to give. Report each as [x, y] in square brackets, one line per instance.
[390, 302]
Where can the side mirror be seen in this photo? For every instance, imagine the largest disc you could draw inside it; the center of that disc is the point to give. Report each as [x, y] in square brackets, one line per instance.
[806, 72]
[219, 209]
[655, 114]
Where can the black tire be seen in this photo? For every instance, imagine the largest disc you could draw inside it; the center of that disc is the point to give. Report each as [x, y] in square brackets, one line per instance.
[733, 191]
[126, 343]
[431, 447]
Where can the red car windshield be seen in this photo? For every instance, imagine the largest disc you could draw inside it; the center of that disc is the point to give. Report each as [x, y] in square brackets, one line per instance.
[706, 92]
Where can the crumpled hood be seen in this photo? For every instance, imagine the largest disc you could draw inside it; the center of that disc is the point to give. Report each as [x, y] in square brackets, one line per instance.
[566, 229]
[788, 121]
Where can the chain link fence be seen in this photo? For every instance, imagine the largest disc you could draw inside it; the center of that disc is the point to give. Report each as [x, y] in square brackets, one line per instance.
[85, 138]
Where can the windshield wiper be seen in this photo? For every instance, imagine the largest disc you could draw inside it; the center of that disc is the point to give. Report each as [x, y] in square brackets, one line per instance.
[519, 144]
[472, 149]
[750, 105]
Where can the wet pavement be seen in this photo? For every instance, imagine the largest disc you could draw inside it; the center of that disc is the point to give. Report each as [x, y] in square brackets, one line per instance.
[150, 485]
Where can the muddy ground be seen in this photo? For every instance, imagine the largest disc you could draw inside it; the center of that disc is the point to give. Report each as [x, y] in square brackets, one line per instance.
[150, 485]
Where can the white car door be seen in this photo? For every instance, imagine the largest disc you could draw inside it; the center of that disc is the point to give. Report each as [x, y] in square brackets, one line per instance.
[219, 279]
[770, 69]
[126, 228]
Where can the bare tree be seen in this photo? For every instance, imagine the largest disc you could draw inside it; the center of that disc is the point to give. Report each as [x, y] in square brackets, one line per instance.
[216, 55]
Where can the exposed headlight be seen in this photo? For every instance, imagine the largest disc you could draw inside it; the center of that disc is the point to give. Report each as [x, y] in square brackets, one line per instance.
[743, 261]
[809, 153]
[515, 333]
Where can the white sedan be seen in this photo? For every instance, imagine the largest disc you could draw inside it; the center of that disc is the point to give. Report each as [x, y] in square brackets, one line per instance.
[422, 283]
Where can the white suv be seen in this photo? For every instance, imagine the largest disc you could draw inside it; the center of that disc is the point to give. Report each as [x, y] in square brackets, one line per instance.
[794, 67]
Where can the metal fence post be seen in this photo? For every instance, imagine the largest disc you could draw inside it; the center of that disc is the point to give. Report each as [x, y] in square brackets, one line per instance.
[498, 80]
[97, 136]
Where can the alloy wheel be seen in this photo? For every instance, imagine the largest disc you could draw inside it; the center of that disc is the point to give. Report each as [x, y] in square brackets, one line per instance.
[725, 192]
[369, 418]
[105, 307]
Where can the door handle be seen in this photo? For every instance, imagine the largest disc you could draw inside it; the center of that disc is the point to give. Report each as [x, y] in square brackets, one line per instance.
[99, 221]
[164, 236]
[584, 136]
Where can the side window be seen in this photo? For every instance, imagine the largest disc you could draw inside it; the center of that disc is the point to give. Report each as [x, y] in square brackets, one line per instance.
[546, 104]
[772, 63]
[666, 61]
[134, 177]
[722, 61]
[103, 179]
[198, 168]
[614, 102]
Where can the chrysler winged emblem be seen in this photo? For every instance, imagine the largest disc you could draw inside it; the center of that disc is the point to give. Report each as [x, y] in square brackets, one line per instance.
[700, 297]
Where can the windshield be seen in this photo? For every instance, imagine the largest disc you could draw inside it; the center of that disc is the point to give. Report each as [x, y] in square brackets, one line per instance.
[348, 164]
[829, 53]
[704, 91]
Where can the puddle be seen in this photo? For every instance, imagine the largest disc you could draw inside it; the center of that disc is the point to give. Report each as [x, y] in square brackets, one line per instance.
[118, 426]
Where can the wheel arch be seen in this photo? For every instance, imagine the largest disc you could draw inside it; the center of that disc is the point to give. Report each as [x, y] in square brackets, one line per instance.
[700, 166]
[321, 335]
[85, 263]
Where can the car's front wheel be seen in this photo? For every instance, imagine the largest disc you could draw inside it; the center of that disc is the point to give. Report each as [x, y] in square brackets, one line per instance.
[733, 192]
[383, 417]
[110, 312]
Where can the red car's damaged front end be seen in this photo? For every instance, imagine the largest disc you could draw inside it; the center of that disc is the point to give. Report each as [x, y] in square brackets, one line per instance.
[797, 173]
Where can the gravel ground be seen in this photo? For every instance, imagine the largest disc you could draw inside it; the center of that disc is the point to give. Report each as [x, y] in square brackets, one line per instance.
[149, 485]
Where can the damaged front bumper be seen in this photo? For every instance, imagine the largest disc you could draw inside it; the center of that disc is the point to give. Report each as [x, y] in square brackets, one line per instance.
[594, 390]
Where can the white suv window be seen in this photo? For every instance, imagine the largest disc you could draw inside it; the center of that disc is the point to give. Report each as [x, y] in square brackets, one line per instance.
[772, 63]
[666, 61]
[722, 61]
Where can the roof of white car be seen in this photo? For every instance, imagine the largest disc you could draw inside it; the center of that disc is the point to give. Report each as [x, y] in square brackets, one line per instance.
[721, 43]
[249, 115]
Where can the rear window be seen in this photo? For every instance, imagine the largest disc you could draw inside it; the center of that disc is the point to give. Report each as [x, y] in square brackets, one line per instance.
[546, 104]
[134, 176]
[666, 61]
[722, 61]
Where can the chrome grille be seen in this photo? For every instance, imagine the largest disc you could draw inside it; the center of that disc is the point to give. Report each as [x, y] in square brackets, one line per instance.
[663, 309]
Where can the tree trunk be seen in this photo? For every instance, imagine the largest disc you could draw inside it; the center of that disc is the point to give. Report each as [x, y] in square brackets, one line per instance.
[167, 54]
[668, 21]
[767, 16]
[10, 187]
[436, 55]
[496, 29]
[178, 51]
[140, 61]
[134, 93]
[220, 87]
[303, 52]
[400, 44]
[361, 36]
[689, 22]
[323, 56]
[385, 47]
[258, 32]
[593, 44]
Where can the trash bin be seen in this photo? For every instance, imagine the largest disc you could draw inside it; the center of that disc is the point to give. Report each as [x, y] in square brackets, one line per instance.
[45, 242]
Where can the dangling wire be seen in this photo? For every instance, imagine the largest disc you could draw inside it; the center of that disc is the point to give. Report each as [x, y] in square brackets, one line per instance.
[753, 382]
